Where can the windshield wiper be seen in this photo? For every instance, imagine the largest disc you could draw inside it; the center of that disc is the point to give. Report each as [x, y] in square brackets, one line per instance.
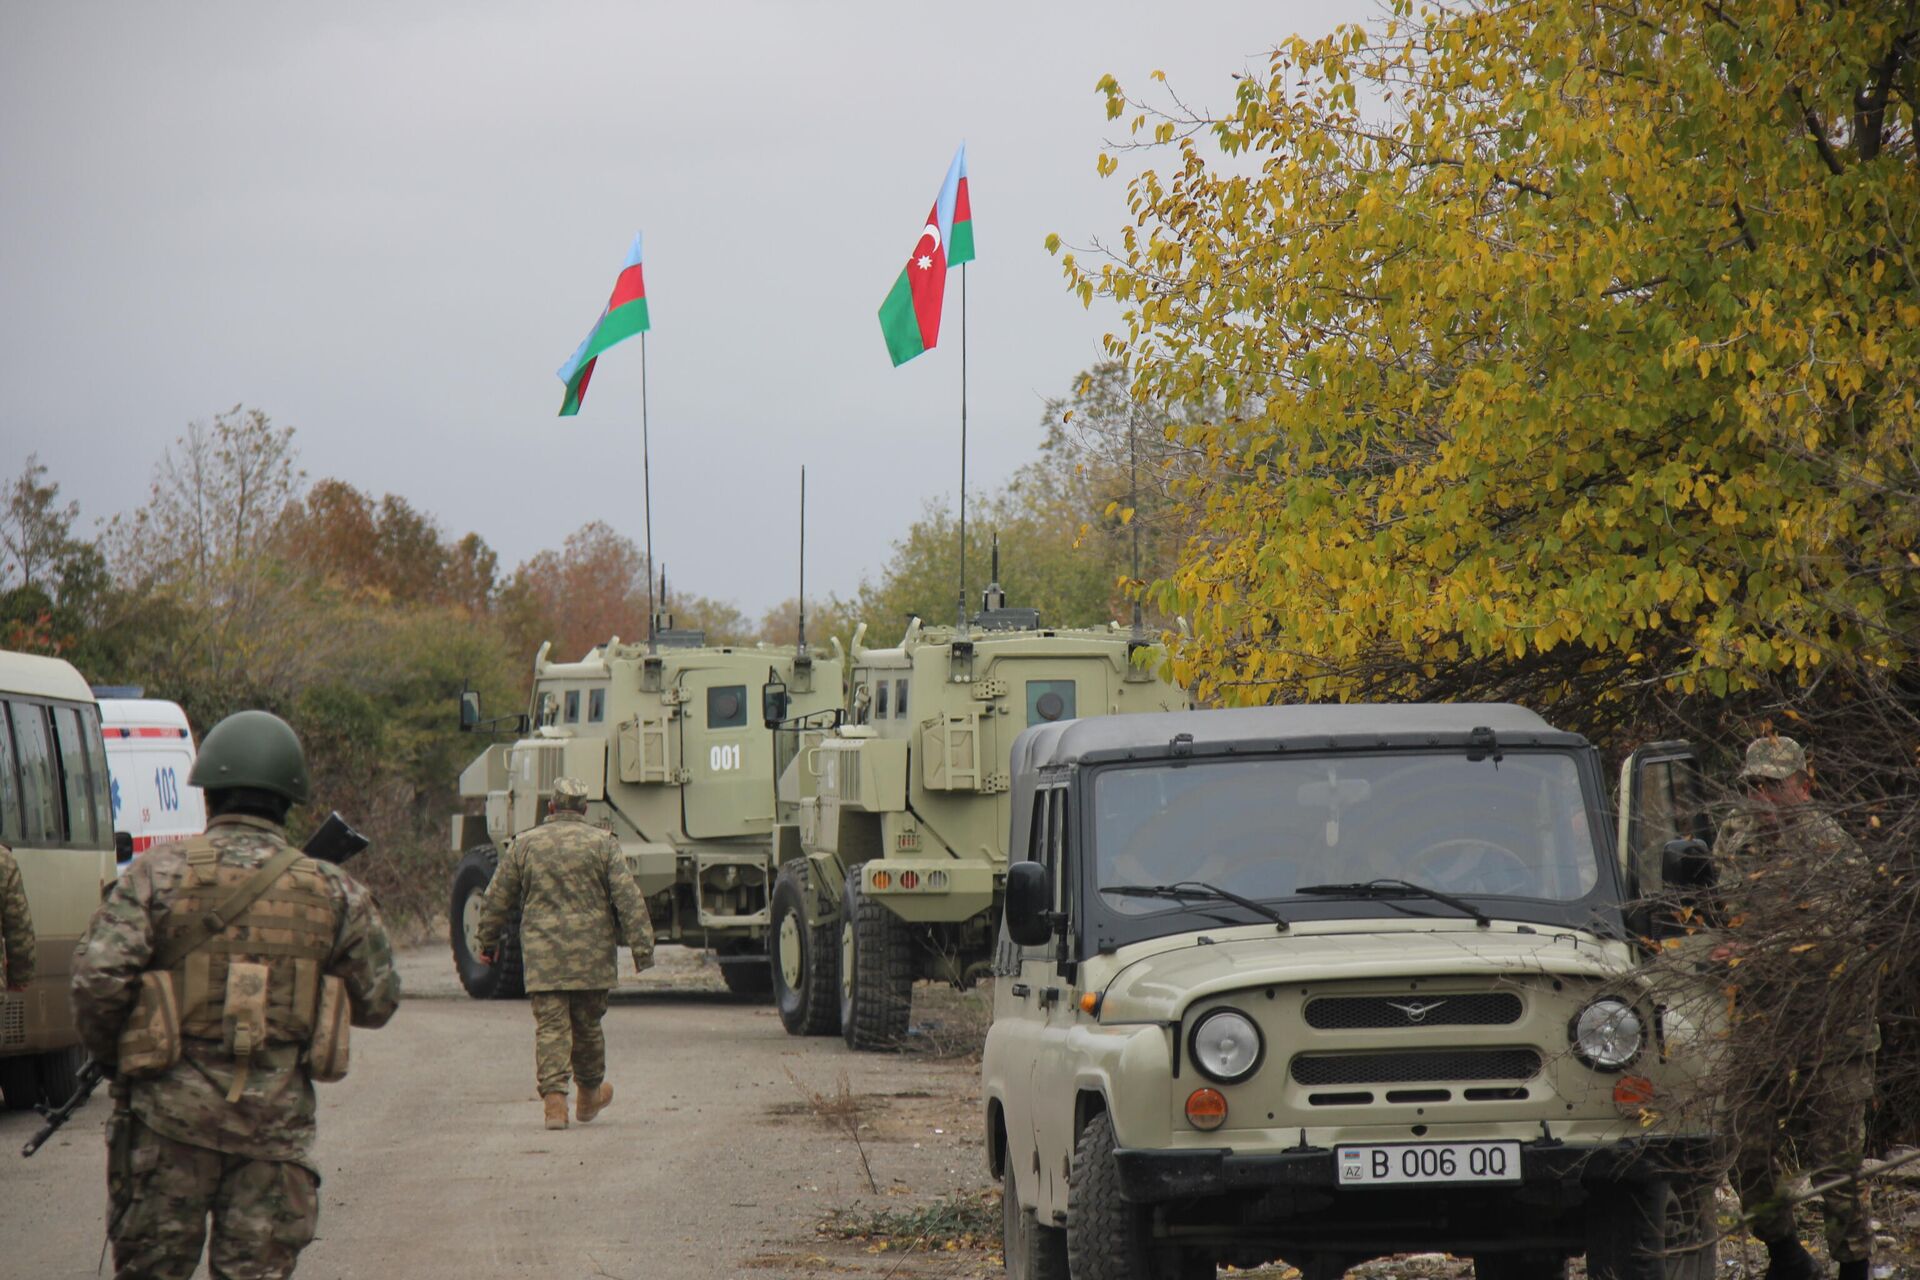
[1389, 888]
[1196, 889]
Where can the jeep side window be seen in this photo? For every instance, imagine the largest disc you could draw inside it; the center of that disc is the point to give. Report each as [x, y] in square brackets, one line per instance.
[1057, 848]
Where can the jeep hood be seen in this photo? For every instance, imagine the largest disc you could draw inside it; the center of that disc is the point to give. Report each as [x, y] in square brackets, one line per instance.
[1158, 985]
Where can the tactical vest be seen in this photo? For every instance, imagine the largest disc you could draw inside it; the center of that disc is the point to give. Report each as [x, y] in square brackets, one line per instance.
[289, 930]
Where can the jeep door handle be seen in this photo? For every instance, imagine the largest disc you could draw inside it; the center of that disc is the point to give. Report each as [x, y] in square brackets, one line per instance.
[1022, 990]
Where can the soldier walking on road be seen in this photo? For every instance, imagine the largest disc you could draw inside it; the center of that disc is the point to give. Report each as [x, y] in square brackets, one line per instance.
[1804, 1033]
[217, 979]
[16, 927]
[577, 902]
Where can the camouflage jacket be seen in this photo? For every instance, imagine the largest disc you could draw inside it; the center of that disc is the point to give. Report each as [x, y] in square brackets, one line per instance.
[1796, 891]
[274, 1118]
[16, 925]
[577, 903]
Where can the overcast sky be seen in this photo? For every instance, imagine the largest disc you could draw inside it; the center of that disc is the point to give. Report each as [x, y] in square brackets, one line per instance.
[387, 225]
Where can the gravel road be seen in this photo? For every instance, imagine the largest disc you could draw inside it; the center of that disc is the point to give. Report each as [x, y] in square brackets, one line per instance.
[711, 1161]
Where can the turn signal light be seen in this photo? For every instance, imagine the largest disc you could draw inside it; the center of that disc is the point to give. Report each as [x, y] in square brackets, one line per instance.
[909, 879]
[882, 880]
[1090, 1002]
[1206, 1109]
[1632, 1091]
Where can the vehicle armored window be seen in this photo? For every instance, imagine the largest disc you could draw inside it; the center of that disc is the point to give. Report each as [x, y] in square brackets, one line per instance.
[573, 706]
[880, 690]
[900, 698]
[596, 706]
[727, 706]
[1050, 700]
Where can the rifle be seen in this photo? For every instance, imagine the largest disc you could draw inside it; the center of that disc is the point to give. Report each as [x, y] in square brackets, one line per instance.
[91, 1074]
[334, 842]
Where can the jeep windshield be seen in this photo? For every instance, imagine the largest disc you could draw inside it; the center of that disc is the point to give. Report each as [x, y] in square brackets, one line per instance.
[1512, 834]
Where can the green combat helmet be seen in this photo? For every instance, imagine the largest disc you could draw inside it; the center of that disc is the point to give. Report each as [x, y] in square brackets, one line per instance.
[253, 749]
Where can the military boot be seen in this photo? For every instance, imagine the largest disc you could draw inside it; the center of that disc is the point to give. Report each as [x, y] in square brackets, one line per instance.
[556, 1104]
[1855, 1270]
[592, 1102]
[1789, 1260]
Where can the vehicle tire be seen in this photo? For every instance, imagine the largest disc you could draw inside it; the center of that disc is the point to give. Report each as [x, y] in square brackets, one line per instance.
[1620, 1233]
[19, 1083]
[1106, 1234]
[58, 1073]
[748, 979]
[504, 979]
[1519, 1266]
[1032, 1251]
[876, 972]
[805, 968]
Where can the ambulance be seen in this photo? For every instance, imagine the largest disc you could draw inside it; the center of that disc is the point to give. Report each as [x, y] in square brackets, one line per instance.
[149, 755]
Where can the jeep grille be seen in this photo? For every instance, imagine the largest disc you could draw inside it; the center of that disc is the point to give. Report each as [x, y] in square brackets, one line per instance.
[1349, 1013]
[1400, 1068]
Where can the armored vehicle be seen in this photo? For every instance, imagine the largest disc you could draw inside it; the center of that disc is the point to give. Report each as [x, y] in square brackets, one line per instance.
[1325, 983]
[672, 743]
[892, 836]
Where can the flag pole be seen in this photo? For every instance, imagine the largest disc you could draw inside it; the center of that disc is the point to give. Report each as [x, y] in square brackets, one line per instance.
[963, 450]
[646, 483]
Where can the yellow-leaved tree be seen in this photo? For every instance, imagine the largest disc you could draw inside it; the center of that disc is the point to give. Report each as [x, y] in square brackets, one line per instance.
[1564, 350]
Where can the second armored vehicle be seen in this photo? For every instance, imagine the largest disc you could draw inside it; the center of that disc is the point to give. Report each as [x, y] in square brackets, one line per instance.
[892, 836]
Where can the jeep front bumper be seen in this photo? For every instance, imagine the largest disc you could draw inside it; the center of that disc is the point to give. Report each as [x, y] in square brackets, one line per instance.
[1148, 1176]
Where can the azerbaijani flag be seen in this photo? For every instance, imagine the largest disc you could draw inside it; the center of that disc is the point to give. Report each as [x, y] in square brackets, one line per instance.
[625, 315]
[910, 317]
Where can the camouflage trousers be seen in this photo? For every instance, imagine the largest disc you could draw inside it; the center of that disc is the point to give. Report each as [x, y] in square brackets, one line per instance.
[161, 1192]
[568, 1043]
[1816, 1122]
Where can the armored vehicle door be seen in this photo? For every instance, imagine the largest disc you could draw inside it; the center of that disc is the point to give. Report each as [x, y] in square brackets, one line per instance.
[1666, 833]
[724, 755]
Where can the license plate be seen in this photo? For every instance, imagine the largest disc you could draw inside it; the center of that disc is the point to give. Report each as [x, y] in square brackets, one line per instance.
[1391, 1164]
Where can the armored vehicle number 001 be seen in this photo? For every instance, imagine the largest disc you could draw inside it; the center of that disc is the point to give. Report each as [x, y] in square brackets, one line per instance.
[1387, 1165]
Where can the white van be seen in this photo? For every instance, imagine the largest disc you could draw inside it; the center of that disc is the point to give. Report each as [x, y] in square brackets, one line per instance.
[149, 755]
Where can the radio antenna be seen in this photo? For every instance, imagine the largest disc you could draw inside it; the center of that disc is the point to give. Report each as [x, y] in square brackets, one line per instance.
[1133, 486]
[802, 652]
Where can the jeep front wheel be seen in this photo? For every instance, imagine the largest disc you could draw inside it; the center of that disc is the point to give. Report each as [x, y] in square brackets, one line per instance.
[1658, 1229]
[504, 979]
[1106, 1233]
[876, 971]
[806, 972]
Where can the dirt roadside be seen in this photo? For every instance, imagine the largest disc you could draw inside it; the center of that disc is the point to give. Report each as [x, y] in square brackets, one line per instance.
[712, 1161]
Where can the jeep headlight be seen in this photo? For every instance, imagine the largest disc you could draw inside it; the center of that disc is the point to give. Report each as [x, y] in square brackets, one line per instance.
[1607, 1034]
[1226, 1046]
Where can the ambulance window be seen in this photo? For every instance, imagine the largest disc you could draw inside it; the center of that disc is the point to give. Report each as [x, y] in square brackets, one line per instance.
[727, 707]
[40, 790]
[9, 785]
[596, 706]
[573, 706]
[900, 699]
[73, 775]
[880, 690]
[97, 766]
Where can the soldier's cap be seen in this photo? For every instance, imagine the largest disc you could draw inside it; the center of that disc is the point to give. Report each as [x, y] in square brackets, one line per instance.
[569, 788]
[1774, 757]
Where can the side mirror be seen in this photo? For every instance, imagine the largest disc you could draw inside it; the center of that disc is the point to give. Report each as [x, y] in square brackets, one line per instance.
[122, 845]
[774, 703]
[469, 710]
[1029, 904]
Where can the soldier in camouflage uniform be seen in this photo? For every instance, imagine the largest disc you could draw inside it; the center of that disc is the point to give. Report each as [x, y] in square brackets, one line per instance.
[223, 1133]
[577, 902]
[1804, 1033]
[16, 927]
